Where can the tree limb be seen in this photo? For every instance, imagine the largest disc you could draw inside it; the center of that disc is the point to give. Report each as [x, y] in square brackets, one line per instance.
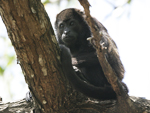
[37, 50]
[125, 104]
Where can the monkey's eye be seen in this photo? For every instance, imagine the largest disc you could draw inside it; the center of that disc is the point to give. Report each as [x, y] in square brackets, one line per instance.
[72, 23]
[61, 26]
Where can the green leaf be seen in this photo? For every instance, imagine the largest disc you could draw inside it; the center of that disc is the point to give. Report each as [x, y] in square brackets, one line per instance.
[10, 59]
[129, 1]
[2, 71]
[46, 2]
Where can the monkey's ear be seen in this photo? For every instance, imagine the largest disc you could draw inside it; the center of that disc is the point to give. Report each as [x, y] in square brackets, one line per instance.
[56, 22]
[81, 13]
[57, 15]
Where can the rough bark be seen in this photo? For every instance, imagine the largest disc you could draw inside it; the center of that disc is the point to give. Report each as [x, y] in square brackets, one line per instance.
[38, 54]
[143, 106]
[32, 36]
[124, 103]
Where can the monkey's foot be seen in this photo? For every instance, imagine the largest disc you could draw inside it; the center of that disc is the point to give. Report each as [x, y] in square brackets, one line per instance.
[28, 97]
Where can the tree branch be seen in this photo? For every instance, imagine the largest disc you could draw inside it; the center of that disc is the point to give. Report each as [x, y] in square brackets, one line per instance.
[108, 71]
[123, 99]
[37, 50]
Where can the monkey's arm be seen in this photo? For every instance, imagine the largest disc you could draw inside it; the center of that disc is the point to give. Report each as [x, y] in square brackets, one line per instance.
[85, 59]
[89, 90]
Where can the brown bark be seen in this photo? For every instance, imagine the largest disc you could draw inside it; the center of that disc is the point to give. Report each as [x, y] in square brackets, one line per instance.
[38, 54]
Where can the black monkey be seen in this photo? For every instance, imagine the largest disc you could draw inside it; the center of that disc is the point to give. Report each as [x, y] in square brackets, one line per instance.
[72, 33]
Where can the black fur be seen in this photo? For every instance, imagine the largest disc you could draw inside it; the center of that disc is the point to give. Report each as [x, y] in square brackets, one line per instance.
[72, 32]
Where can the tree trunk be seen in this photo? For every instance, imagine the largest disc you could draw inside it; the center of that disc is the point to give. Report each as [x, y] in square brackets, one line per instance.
[38, 54]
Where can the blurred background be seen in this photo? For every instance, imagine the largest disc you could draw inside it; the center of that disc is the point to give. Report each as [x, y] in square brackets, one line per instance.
[128, 23]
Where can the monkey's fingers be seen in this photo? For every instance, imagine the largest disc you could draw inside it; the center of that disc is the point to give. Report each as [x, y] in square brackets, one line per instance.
[92, 41]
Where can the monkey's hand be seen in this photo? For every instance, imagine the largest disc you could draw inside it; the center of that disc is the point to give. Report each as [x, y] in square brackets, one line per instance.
[103, 41]
[103, 46]
[92, 41]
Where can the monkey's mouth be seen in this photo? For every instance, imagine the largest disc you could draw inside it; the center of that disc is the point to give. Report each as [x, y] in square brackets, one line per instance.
[69, 39]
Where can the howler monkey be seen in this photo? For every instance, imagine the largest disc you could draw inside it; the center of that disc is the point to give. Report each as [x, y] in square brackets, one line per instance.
[72, 32]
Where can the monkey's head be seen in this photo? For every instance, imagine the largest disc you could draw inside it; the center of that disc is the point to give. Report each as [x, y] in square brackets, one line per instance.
[71, 27]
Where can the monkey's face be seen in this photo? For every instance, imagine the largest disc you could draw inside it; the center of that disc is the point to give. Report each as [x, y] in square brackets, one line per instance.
[69, 31]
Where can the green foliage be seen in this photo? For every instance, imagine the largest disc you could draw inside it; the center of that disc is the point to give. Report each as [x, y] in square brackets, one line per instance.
[10, 60]
[46, 2]
[129, 1]
[1, 71]
[7, 56]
